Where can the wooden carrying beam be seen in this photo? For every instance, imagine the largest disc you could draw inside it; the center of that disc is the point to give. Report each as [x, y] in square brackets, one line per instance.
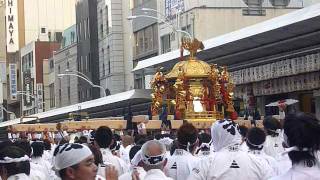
[93, 124]
[34, 127]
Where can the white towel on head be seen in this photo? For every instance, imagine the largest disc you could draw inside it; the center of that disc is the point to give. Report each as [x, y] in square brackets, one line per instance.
[68, 155]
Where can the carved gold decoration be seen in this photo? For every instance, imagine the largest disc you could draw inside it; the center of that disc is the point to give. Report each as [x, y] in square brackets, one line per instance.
[193, 90]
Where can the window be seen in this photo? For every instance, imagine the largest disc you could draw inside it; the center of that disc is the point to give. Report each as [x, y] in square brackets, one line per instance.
[107, 20]
[69, 97]
[52, 95]
[84, 29]
[108, 57]
[89, 62]
[60, 98]
[103, 70]
[80, 31]
[72, 37]
[59, 69]
[101, 25]
[165, 43]
[102, 60]
[58, 37]
[101, 30]
[79, 96]
[68, 66]
[43, 30]
[88, 27]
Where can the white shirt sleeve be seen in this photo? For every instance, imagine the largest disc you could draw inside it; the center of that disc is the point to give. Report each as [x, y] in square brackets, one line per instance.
[201, 171]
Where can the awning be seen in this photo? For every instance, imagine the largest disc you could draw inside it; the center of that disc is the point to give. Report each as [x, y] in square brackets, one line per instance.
[249, 37]
[124, 96]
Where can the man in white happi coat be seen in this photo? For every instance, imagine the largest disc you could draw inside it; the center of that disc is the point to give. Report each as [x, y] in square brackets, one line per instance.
[153, 160]
[255, 140]
[136, 164]
[228, 161]
[302, 137]
[14, 164]
[103, 140]
[181, 163]
[273, 144]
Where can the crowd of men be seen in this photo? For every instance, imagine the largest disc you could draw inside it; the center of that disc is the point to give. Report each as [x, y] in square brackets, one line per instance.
[280, 151]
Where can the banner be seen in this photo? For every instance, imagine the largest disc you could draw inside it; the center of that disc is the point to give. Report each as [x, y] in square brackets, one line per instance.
[173, 7]
[12, 25]
[13, 81]
[39, 97]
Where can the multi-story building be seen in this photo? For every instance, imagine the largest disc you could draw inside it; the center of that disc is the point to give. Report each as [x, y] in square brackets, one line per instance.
[65, 62]
[32, 57]
[3, 83]
[28, 21]
[210, 18]
[87, 49]
[115, 53]
[145, 39]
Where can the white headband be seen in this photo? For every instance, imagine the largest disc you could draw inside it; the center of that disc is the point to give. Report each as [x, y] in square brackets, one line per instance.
[7, 160]
[255, 145]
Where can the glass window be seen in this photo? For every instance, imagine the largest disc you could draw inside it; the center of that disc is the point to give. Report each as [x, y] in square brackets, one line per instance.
[107, 20]
[165, 43]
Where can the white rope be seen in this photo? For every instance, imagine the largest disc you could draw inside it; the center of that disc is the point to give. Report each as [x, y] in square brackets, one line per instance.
[7, 160]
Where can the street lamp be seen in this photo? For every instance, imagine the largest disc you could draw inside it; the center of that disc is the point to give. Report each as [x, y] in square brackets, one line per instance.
[161, 20]
[9, 112]
[87, 80]
[74, 71]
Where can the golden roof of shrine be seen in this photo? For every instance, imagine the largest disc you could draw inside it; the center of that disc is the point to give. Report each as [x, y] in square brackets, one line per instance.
[192, 68]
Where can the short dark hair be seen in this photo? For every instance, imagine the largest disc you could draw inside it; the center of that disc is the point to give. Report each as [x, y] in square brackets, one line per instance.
[303, 131]
[83, 139]
[14, 168]
[63, 172]
[47, 144]
[255, 136]
[38, 148]
[133, 151]
[270, 125]
[187, 133]
[243, 130]
[25, 146]
[104, 136]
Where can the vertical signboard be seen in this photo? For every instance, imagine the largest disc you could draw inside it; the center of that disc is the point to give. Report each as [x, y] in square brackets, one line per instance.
[39, 97]
[27, 88]
[12, 25]
[13, 81]
[1, 101]
[173, 7]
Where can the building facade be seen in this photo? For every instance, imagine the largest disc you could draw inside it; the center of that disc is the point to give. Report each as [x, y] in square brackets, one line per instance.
[146, 38]
[210, 18]
[28, 21]
[65, 62]
[115, 53]
[32, 57]
[87, 48]
[3, 81]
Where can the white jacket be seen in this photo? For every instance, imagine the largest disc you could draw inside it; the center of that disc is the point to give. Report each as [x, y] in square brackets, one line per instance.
[180, 164]
[230, 164]
[38, 172]
[21, 176]
[109, 158]
[300, 172]
[156, 174]
[270, 160]
[128, 175]
[273, 146]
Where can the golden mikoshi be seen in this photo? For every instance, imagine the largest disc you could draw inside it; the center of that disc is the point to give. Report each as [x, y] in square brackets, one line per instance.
[193, 90]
